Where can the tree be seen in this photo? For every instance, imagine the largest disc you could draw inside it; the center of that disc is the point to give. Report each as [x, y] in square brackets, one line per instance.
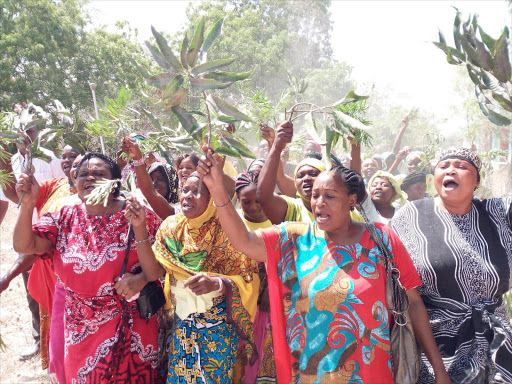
[270, 36]
[46, 53]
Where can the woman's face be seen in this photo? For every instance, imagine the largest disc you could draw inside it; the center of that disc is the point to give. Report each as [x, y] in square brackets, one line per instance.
[66, 160]
[304, 180]
[369, 168]
[250, 204]
[159, 182]
[90, 172]
[455, 180]
[381, 191]
[412, 165]
[331, 203]
[255, 168]
[416, 191]
[185, 169]
[193, 205]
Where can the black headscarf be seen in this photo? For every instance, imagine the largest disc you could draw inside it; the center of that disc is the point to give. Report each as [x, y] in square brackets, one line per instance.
[171, 178]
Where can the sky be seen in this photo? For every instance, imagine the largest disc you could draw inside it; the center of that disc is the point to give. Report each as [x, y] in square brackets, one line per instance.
[387, 42]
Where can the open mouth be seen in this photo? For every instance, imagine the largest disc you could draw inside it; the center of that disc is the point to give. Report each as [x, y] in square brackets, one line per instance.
[307, 187]
[321, 217]
[66, 168]
[450, 185]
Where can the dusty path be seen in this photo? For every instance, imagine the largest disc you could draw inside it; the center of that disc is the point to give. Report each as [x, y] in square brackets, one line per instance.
[15, 319]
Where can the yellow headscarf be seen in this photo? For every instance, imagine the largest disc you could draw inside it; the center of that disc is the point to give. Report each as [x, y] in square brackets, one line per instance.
[399, 194]
[312, 162]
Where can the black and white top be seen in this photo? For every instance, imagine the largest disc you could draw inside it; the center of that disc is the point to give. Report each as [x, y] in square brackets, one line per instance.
[465, 263]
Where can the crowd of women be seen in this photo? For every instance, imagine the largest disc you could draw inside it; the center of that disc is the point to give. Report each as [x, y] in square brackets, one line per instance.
[289, 287]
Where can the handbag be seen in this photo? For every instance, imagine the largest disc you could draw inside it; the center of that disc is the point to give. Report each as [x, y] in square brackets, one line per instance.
[151, 297]
[404, 349]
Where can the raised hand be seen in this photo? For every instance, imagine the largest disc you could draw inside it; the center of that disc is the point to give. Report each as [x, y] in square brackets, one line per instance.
[267, 133]
[284, 135]
[27, 189]
[135, 213]
[131, 148]
[210, 167]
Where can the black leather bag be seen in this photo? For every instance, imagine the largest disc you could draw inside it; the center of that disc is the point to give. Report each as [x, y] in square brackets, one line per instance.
[151, 297]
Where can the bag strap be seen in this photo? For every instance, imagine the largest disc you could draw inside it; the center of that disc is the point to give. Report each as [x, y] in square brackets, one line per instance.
[127, 253]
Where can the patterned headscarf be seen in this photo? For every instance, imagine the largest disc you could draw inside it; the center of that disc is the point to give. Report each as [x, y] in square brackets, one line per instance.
[260, 162]
[399, 194]
[245, 179]
[463, 154]
[171, 178]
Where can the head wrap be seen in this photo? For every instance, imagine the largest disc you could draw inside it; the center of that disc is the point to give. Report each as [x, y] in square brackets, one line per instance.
[317, 146]
[245, 179]
[463, 154]
[312, 162]
[260, 162]
[399, 194]
[413, 178]
[423, 165]
[171, 179]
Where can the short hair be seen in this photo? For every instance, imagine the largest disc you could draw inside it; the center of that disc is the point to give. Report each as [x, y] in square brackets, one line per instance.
[111, 164]
[191, 156]
[352, 180]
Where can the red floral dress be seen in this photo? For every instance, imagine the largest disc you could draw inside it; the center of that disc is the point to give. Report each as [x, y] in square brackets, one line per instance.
[106, 341]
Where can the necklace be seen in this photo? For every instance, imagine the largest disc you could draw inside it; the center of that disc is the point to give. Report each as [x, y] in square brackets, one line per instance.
[90, 230]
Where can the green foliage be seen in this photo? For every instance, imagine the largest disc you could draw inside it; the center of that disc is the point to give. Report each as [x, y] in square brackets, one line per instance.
[487, 61]
[47, 53]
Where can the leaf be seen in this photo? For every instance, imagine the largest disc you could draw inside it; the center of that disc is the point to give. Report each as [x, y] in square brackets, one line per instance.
[167, 52]
[214, 32]
[181, 139]
[229, 110]
[442, 39]
[228, 76]
[173, 87]
[188, 121]
[312, 130]
[505, 103]
[195, 44]
[204, 84]
[183, 52]
[176, 99]
[349, 122]
[240, 148]
[326, 149]
[160, 60]
[211, 66]
[152, 118]
[227, 119]
[142, 70]
[491, 83]
[488, 40]
[456, 27]
[484, 56]
[160, 80]
[226, 150]
[498, 119]
[469, 50]
[501, 67]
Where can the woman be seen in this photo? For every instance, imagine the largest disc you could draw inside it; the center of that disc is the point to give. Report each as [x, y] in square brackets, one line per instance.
[211, 289]
[415, 185]
[462, 248]
[105, 338]
[327, 285]
[369, 168]
[385, 193]
[41, 280]
[263, 371]
[158, 184]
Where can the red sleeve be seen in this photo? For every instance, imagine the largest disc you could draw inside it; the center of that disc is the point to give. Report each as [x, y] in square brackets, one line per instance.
[47, 228]
[409, 276]
[44, 189]
[282, 352]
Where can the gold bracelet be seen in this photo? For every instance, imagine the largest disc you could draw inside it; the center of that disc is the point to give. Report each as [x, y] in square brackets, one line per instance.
[221, 206]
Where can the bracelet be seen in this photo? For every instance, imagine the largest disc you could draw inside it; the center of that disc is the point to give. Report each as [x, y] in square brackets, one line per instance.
[137, 242]
[221, 206]
[139, 162]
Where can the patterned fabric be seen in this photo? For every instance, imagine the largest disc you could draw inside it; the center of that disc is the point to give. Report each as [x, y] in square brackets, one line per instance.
[464, 154]
[171, 179]
[185, 247]
[465, 262]
[202, 348]
[329, 318]
[105, 338]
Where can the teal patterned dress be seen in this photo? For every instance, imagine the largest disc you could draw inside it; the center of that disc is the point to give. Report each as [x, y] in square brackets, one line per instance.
[329, 317]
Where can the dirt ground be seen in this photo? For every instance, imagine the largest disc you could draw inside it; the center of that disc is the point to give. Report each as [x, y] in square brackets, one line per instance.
[15, 319]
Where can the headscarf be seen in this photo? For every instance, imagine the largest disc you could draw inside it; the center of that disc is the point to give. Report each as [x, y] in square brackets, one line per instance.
[245, 179]
[171, 179]
[400, 195]
[260, 162]
[185, 247]
[463, 154]
[312, 162]
[423, 165]
[317, 146]
[413, 178]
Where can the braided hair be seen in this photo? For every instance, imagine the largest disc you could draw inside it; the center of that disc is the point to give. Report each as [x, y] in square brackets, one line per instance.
[245, 179]
[351, 179]
[111, 164]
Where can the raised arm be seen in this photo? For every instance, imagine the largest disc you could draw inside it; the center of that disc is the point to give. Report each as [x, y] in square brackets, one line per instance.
[10, 189]
[158, 202]
[248, 242]
[399, 137]
[274, 206]
[24, 240]
[399, 158]
[355, 156]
